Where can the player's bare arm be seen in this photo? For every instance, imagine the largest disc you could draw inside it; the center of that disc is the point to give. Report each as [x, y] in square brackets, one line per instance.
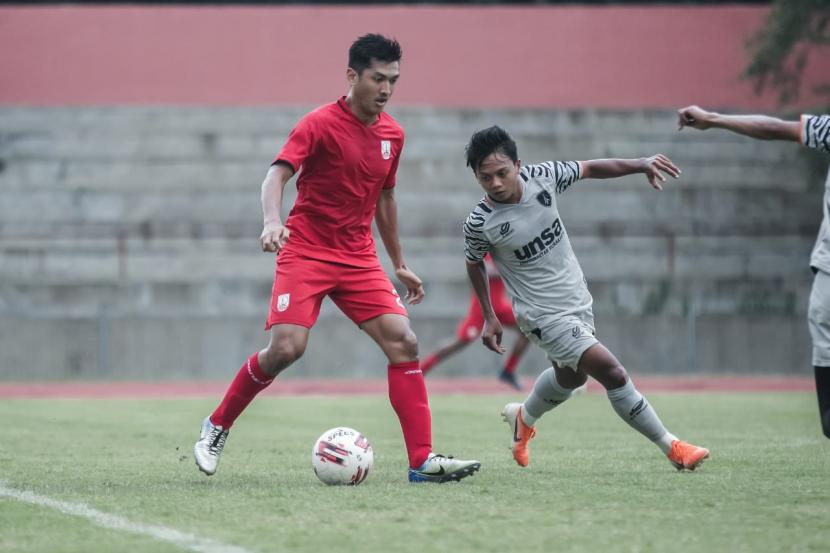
[762, 127]
[274, 234]
[655, 168]
[386, 219]
[492, 334]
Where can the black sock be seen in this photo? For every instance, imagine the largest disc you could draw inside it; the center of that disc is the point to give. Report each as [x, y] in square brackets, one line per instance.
[823, 391]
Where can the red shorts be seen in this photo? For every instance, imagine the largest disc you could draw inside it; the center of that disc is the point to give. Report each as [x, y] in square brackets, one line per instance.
[300, 283]
[471, 326]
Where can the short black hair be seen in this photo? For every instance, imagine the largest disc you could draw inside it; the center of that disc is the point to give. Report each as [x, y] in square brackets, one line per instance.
[488, 141]
[373, 46]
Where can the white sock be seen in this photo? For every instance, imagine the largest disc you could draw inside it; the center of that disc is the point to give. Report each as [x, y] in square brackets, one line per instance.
[633, 408]
[545, 395]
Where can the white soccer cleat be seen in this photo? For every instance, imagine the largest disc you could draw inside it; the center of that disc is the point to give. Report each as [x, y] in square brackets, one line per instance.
[439, 469]
[209, 447]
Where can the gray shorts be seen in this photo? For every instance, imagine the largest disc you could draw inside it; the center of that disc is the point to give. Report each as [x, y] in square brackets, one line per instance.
[818, 317]
[564, 338]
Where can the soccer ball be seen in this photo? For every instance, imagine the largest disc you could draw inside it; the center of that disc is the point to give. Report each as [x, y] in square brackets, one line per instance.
[342, 456]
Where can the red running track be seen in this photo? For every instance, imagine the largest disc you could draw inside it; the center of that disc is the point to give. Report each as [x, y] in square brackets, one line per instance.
[296, 387]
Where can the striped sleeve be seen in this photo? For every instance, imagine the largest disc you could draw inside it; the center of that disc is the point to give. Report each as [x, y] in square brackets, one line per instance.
[476, 244]
[815, 132]
[563, 173]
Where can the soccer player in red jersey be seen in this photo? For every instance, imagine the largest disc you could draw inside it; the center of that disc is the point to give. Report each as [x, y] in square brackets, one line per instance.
[347, 153]
[470, 327]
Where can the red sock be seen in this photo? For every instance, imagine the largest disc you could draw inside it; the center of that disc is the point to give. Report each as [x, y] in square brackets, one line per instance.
[249, 381]
[429, 362]
[408, 396]
[511, 363]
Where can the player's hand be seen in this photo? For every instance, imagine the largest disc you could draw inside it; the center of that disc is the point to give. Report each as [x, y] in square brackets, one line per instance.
[491, 337]
[695, 117]
[655, 166]
[273, 237]
[414, 286]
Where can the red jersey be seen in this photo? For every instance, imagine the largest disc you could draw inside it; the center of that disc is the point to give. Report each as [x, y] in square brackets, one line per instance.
[343, 164]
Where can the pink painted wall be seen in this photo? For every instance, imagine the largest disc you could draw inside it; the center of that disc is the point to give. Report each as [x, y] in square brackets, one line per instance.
[561, 57]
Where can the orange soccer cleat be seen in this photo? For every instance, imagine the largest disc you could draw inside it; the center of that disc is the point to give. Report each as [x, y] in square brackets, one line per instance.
[521, 433]
[686, 456]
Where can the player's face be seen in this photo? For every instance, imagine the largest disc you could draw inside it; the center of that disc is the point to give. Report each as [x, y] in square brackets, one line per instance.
[498, 175]
[373, 88]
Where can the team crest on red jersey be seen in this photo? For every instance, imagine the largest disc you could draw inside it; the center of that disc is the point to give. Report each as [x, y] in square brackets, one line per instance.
[386, 149]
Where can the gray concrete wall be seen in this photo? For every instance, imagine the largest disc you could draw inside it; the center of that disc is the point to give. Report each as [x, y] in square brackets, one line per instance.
[128, 241]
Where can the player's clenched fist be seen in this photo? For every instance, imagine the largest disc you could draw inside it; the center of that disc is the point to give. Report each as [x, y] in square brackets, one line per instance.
[695, 117]
[273, 237]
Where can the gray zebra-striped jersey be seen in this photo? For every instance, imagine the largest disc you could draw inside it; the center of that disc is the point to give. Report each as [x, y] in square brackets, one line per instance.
[815, 134]
[530, 246]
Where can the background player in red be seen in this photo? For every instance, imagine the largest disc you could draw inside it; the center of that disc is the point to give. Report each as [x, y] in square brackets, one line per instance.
[469, 329]
[347, 153]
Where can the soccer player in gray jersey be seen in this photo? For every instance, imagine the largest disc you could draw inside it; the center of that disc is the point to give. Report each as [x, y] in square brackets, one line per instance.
[517, 221]
[812, 131]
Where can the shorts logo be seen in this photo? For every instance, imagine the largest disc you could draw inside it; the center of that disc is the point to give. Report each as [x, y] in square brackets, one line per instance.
[576, 332]
[504, 229]
[544, 198]
[282, 302]
[386, 149]
[397, 297]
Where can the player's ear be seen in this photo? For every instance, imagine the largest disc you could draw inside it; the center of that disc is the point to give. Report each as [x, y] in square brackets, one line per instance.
[518, 164]
[352, 76]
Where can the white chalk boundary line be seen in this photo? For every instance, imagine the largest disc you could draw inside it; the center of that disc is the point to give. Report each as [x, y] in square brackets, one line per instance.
[115, 522]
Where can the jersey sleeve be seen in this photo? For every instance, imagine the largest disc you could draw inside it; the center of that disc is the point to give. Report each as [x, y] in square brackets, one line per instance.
[815, 132]
[563, 173]
[476, 244]
[392, 177]
[556, 176]
[299, 145]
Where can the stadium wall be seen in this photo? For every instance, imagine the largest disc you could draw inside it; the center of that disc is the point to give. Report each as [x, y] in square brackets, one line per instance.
[130, 190]
[625, 57]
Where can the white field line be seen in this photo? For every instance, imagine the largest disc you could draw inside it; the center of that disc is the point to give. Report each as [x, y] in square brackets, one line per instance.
[115, 522]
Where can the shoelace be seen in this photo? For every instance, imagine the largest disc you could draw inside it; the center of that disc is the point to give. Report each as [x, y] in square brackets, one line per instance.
[217, 441]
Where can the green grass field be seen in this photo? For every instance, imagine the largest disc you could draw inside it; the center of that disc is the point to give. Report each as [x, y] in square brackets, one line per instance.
[593, 484]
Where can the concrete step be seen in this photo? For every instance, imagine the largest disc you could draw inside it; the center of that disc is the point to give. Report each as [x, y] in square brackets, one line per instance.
[644, 259]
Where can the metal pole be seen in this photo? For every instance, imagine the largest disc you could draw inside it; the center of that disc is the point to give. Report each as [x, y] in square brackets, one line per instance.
[104, 338]
[691, 334]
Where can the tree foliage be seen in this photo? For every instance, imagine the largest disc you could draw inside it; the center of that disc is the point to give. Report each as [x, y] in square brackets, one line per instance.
[781, 48]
